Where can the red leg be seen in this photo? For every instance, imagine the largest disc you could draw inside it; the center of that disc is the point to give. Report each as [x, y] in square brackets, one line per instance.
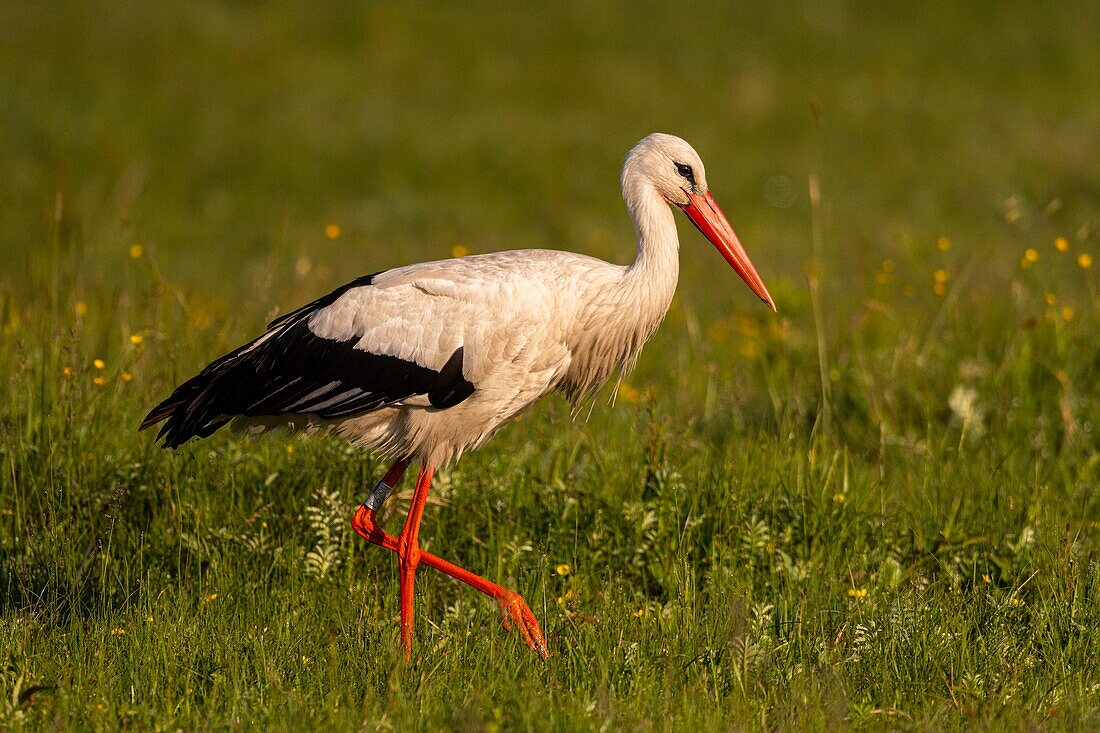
[363, 522]
[515, 609]
[408, 554]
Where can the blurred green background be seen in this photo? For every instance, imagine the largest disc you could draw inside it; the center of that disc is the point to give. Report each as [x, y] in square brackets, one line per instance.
[216, 133]
[879, 507]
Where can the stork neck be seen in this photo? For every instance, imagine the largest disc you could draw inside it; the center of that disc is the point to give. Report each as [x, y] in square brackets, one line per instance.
[658, 257]
[625, 312]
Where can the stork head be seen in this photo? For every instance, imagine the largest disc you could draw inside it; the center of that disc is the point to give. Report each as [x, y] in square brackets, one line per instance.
[676, 173]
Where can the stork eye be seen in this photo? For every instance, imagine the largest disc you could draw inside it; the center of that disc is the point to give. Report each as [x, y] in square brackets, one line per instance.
[686, 172]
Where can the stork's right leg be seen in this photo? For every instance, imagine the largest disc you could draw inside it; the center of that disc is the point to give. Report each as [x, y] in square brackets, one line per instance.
[364, 520]
[516, 612]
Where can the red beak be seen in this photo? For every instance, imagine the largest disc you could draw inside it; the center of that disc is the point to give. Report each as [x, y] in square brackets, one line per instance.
[708, 218]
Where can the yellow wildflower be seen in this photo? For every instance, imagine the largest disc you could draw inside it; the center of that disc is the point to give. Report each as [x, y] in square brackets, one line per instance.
[98, 363]
[639, 613]
[99, 381]
[940, 276]
[1061, 244]
[1067, 314]
[67, 372]
[210, 597]
[563, 569]
[943, 244]
[1031, 255]
[332, 231]
[888, 265]
[1016, 603]
[136, 339]
[126, 376]
[1084, 260]
[118, 632]
[459, 250]
[940, 289]
[136, 251]
[986, 579]
[629, 394]
[81, 308]
[838, 497]
[1051, 298]
[857, 593]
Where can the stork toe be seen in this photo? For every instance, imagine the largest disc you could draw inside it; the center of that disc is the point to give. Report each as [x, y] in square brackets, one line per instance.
[518, 614]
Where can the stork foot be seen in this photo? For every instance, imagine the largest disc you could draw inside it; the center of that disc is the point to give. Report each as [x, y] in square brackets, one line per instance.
[518, 614]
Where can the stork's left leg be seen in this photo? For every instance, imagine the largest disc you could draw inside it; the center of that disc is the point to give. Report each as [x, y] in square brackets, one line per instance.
[406, 544]
[409, 554]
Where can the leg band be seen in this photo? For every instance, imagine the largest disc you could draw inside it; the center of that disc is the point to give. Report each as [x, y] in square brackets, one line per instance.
[377, 496]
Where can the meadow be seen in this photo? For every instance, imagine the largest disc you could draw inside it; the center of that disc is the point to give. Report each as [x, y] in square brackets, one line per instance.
[878, 508]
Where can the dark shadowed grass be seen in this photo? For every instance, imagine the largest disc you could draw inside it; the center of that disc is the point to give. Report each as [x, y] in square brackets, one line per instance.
[876, 509]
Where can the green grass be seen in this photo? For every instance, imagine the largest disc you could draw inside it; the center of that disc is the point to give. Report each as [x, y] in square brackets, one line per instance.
[879, 508]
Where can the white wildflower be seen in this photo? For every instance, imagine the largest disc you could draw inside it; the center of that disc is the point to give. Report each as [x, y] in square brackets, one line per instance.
[964, 405]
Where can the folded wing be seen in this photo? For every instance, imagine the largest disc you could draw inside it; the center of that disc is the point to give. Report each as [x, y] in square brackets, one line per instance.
[319, 362]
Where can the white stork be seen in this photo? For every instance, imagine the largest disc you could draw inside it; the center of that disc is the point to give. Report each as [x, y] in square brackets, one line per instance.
[427, 361]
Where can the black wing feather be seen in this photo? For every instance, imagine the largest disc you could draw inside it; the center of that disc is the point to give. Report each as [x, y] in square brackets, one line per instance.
[295, 371]
[451, 387]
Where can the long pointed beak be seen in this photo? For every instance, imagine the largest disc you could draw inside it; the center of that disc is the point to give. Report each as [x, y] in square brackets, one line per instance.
[708, 218]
